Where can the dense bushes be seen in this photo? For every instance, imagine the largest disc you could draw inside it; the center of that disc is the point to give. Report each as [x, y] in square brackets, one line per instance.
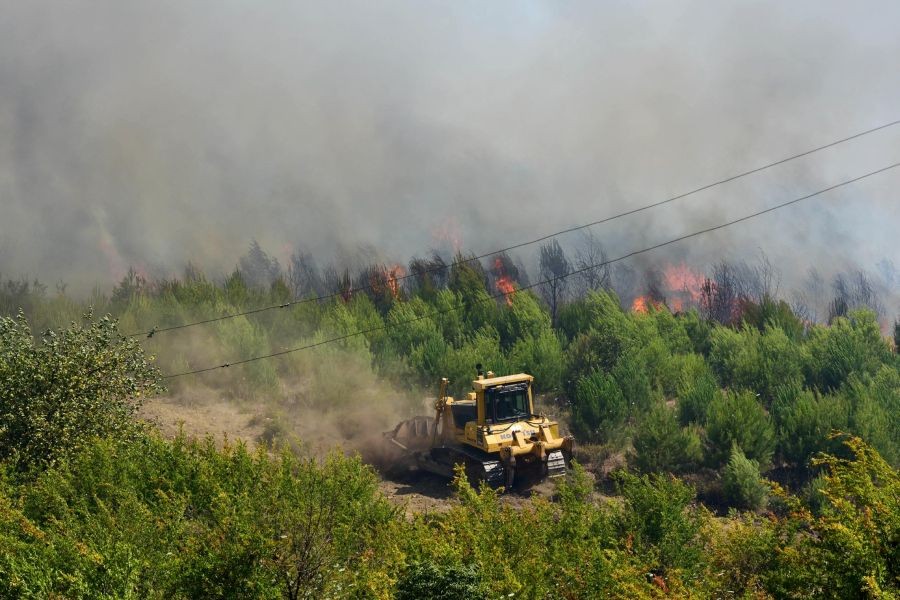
[112, 510]
[737, 418]
[785, 383]
[74, 384]
[155, 518]
[742, 483]
[662, 445]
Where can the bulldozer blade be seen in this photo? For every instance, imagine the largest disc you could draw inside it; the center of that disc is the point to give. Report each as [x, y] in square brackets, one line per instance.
[556, 464]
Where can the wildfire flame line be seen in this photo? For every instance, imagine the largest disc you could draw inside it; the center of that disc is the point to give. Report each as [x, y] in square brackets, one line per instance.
[504, 283]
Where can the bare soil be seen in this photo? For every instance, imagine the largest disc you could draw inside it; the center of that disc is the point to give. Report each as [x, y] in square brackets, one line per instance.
[199, 415]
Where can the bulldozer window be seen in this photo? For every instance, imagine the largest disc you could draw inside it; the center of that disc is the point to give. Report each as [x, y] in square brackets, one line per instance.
[509, 403]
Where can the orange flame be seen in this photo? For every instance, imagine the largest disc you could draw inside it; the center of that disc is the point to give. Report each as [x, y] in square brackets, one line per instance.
[393, 274]
[382, 277]
[681, 277]
[642, 304]
[685, 283]
[504, 284]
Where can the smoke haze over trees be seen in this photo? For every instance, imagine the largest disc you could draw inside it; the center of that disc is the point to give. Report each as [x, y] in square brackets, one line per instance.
[141, 135]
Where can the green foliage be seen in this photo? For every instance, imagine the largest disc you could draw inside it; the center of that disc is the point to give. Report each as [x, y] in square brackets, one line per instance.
[660, 444]
[73, 384]
[459, 363]
[852, 549]
[805, 420]
[695, 398]
[611, 334]
[743, 486]
[875, 404]
[598, 407]
[631, 376]
[440, 582]
[742, 555]
[737, 418]
[754, 360]
[469, 282]
[110, 512]
[523, 318]
[157, 519]
[698, 331]
[660, 518]
[542, 357]
[849, 345]
[771, 313]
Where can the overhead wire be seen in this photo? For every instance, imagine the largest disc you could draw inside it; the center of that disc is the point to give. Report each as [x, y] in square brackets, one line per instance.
[155, 330]
[544, 281]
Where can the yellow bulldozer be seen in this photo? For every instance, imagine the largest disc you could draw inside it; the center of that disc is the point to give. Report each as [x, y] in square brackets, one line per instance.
[494, 433]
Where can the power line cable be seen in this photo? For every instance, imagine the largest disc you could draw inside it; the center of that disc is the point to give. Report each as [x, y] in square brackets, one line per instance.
[155, 330]
[545, 281]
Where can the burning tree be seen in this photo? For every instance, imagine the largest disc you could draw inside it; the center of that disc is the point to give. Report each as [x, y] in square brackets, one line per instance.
[381, 283]
[505, 275]
[720, 295]
[676, 286]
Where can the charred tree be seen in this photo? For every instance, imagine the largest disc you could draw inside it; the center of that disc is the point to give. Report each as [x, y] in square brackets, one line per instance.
[258, 269]
[590, 261]
[555, 270]
[303, 277]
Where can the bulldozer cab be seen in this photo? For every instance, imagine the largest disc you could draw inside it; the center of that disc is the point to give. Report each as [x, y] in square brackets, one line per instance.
[505, 403]
[503, 399]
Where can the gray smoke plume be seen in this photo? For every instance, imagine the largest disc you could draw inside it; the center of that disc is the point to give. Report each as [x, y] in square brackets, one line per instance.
[152, 133]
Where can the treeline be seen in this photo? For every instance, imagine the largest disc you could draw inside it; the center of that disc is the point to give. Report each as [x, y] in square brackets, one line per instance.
[94, 504]
[677, 392]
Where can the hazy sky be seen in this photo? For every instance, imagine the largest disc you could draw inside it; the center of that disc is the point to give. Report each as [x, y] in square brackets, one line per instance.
[151, 133]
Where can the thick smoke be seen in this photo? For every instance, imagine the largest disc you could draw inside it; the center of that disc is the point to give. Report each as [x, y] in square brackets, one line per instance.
[148, 134]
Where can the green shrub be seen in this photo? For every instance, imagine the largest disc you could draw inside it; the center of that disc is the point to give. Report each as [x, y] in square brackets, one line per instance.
[773, 313]
[524, 317]
[542, 357]
[805, 420]
[439, 581]
[741, 481]
[742, 554]
[659, 518]
[611, 335]
[874, 406]
[695, 398]
[737, 418]
[481, 348]
[73, 384]
[754, 360]
[159, 519]
[671, 330]
[851, 549]
[598, 407]
[631, 374]
[660, 444]
[849, 345]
